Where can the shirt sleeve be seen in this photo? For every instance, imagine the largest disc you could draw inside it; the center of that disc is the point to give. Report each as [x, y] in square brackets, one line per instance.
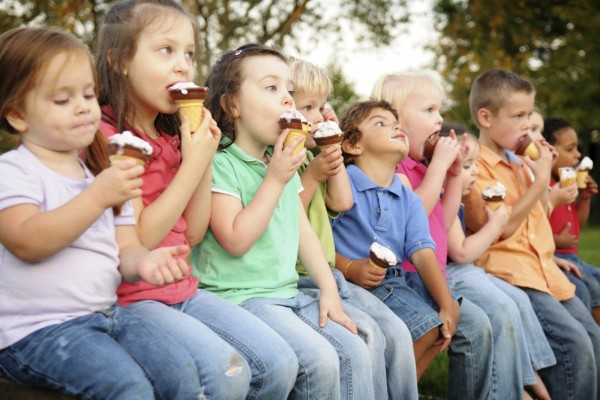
[126, 217]
[224, 177]
[417, 227]
[18, 185]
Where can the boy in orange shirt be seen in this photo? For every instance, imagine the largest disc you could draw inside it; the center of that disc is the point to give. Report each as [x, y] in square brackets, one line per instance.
[501, 103]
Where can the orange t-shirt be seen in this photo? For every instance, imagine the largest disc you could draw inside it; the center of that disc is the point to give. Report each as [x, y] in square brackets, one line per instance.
[525, 258]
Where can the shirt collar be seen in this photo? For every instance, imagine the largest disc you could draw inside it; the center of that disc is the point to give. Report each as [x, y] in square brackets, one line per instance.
[236, 151]
[364, 183]
[492, 159]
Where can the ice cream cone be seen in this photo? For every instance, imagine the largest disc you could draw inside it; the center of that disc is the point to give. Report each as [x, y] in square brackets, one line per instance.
[581, 178]
[192, 109]
[494, 204]
[567, 176]
[292, 135]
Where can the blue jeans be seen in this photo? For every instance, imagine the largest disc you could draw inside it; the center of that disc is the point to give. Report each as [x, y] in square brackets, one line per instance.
[390, 343]
[217, 332]
[575, 339]
[587, 288]
[113, 354]
[470, 353]
[334, 363]
[539, 349]
[510, 352]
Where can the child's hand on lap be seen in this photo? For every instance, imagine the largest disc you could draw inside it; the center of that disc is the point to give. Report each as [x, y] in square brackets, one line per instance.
[160, 267]
[447, 330]
[363, 274]
[330, 306]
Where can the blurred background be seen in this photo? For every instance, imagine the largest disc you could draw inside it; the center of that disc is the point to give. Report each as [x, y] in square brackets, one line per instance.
[552, 43]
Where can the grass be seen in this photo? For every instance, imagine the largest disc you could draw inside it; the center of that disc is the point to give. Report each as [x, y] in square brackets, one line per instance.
[434, 383]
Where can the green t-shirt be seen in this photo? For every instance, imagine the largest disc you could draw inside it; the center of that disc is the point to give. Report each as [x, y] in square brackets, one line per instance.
[319, 220]
[267, 269]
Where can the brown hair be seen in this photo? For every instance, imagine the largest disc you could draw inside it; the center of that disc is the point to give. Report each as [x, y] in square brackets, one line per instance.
[491, 90]
[116, 47]
[25, 54]
[354, 116]
[224, 82]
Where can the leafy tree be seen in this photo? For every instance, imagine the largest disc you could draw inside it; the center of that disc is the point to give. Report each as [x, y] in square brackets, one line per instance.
[549, 42]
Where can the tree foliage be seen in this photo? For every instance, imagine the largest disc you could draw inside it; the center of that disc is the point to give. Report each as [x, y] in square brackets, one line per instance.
[550, 42]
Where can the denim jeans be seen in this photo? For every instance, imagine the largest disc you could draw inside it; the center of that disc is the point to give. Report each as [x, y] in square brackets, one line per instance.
[510, 351]
[539, 349]
[575, 339]
[216, 332]
[470, 353]
[333, 362]
[471, 350]
[113, 354]
[391, 349]
[587, 288]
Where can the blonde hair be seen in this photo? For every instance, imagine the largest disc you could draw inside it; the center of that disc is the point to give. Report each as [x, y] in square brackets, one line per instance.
[309, 77]
[491, 90]
[396, 88]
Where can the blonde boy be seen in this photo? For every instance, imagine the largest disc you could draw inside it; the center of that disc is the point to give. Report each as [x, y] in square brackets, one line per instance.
[501, 103]
[327, 188]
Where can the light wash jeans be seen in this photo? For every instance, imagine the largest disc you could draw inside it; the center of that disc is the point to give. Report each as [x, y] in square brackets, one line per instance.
[113, 354]
[386, 336]
[539, 349]
[333, 362]
[216, 332]
[587, 288]
[510, 350]
[471, 350]
[575, 339]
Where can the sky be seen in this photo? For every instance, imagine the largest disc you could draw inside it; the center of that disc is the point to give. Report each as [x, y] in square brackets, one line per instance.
[363, 64]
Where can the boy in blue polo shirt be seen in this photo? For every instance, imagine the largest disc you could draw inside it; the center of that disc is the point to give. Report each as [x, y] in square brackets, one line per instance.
[387, 212]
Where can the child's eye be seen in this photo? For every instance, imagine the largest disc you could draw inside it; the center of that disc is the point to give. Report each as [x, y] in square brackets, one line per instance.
[189, 54]
[307, 108]
[379, 123]
[166, 50]
[60, 101]
[271, 88]
[466, 166]
[291, 92]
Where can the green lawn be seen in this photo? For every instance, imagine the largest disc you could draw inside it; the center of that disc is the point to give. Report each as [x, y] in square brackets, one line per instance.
[435, 380]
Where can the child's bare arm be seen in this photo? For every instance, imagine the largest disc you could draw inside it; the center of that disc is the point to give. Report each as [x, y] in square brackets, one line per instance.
[360, 271]
[585, 197]
[523, 206]
[237, 228]
[429, 190]
[463, 249]
[157, 267]
[156, 220]
[197, 212]
[312, 256]
[33, 235]
[328, 166]
[339, 192]
[429, 270]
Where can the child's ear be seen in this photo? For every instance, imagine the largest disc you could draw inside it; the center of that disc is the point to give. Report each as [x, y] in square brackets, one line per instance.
[230, 106]
[351, 148]
[483, 117]
[17, 120]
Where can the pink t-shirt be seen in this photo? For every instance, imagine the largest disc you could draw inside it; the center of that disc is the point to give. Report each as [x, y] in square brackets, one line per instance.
[160, 170]
[415, 171]
[559, 218]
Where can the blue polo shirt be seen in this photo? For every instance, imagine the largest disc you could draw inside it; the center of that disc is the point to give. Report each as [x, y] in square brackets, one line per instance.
[393, 216]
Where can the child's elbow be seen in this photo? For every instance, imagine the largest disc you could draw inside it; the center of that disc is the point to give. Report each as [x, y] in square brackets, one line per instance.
[28, 254]
[236, 249]
[341, 205]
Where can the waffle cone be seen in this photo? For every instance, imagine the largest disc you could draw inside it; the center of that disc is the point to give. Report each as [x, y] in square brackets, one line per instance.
[581, 177]
[292, 135]
[192, 109]
[567, 182]
[116, 158]
[494, 204]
